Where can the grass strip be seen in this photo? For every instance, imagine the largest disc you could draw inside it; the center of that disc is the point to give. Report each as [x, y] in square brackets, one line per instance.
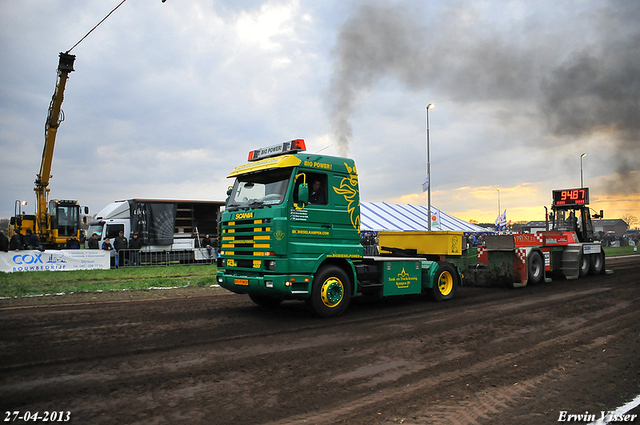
[45, 282]
[610, 251]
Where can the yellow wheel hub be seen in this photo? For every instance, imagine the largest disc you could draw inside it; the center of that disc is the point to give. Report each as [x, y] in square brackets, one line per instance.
[445, 283]
[332, 292]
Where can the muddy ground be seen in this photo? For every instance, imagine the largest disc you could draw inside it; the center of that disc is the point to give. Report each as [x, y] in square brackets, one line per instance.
[203, 356]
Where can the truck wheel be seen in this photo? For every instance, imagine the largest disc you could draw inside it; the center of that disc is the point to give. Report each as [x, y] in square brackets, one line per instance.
[585, 262]
[265, 301]
[597, 263]
[445, 282]
[330, 292]
[535, 268]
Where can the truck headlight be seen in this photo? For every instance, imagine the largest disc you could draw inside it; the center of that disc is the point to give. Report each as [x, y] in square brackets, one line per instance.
[268, 283]
[270, 265]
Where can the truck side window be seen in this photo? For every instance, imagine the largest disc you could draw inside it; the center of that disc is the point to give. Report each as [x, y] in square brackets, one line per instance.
[317, 188]
[113, 230]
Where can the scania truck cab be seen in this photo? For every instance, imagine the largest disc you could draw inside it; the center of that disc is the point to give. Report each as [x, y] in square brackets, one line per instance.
[291, 230]
[277, 235]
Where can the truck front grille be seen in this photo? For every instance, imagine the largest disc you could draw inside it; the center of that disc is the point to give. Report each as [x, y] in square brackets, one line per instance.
[245, 243]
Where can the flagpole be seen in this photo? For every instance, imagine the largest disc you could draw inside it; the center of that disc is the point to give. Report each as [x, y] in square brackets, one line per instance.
[429, 107]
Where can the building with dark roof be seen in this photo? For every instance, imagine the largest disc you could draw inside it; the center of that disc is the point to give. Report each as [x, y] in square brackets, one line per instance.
[617, 226]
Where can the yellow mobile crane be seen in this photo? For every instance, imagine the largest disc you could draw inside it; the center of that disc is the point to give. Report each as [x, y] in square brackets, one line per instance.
[56, 221]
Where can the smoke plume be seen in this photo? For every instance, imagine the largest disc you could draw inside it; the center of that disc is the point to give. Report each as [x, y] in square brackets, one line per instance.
[599, 92]
[376, 42]
[449, 53]
[581, 86]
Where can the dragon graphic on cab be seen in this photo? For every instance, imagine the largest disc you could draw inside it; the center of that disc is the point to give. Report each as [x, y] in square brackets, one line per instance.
[349, 189]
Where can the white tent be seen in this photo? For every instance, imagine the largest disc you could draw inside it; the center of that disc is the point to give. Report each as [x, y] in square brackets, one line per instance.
[380, 216]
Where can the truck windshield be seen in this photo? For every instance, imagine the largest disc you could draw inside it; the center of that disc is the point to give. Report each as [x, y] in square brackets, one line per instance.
[95, 228]
[260, 189]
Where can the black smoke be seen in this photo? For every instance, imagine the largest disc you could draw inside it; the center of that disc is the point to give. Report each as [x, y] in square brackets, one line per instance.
[598, 92]
[582, 76]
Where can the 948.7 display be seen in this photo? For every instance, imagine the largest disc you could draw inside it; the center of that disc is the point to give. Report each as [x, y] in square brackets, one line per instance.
[571, 196]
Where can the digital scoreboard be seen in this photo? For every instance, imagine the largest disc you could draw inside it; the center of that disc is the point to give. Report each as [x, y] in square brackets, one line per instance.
[571, 197]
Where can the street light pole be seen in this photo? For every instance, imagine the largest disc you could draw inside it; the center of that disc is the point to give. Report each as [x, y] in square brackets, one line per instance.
[429, 107]
[581, 174]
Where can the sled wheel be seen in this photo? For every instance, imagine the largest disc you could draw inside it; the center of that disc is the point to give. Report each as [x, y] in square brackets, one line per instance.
[597, 263]
[445, 282]
[330, 292]
[585, 262]
[535, 268]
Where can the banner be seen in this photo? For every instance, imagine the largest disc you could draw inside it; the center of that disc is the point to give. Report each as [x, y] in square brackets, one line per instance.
[501, 221]
[435, 218]
[154, 222]
[50, 260]
[425, 184]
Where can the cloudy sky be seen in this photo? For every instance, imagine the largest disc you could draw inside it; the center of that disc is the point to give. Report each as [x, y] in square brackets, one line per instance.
[167, 98]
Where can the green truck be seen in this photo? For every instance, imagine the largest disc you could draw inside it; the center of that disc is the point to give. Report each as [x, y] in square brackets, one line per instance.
[291, 230]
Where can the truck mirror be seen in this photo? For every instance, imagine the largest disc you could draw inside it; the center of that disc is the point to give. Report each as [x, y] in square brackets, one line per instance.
[86, 210]
[84, 220]
[226, 201]
[601, 214]
[303, 193]
[12, 221]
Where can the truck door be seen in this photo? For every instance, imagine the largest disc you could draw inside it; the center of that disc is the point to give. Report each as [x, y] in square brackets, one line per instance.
[311, 225]
[113, 230]
[585, 226]
[346, 215]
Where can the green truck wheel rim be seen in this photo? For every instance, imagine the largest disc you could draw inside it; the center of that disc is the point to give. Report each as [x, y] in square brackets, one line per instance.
[332, 292]
[445, 283]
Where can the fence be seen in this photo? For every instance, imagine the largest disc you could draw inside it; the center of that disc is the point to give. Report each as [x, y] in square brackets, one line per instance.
[137, 258]
[370, 250]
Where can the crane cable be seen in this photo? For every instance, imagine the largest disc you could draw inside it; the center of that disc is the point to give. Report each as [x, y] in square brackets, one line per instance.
[103, 19]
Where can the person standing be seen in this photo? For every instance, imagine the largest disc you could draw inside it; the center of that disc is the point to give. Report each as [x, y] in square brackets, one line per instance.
[73, 243]
[134, 245]
[4, 242]
[120, 244]
[31, 240]
[93, 241]
[106, 245]
[206, 242]
[16, 241]
[216, 245]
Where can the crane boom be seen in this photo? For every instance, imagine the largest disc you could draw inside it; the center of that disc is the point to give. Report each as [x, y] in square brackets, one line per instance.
[65, 66]
[57, 221]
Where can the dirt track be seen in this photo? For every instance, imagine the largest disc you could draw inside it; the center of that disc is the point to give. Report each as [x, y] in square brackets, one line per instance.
[491, 356]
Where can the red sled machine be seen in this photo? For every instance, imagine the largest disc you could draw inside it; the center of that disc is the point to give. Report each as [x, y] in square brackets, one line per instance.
[566, 249]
